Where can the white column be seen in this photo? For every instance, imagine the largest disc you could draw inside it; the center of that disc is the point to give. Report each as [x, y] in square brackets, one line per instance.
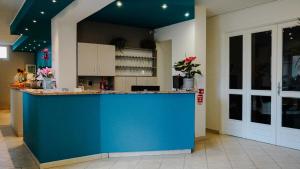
[200, 51]
[64, 39]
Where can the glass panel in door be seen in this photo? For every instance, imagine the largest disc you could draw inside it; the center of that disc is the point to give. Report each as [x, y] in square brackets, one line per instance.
[291, 113]
[261, 60]
[236, 62]
[235, 107]
[291, 59]
[261, 109]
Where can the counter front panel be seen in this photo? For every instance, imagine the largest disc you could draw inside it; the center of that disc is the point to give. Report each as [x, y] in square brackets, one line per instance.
[68, 126]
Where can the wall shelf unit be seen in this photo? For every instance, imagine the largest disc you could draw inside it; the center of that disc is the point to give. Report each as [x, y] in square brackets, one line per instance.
[136, 62]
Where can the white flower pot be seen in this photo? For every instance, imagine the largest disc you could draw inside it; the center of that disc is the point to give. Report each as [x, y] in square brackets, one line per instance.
[188, 83]
[47, 83]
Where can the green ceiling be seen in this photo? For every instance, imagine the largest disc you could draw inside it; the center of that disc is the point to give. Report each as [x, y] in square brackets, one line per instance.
[146, 13]
[138, 13]
[38, 34]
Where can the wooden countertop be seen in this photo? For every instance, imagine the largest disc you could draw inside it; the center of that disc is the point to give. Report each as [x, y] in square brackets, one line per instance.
[40, 92]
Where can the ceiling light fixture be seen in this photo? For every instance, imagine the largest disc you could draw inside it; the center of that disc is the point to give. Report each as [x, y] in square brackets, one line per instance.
[34, 21]
[42, 12]
[45, 41]
[39, 45]
[119, 4]
[54, 1]
[26, 29]
[187, 14]
[164, 6]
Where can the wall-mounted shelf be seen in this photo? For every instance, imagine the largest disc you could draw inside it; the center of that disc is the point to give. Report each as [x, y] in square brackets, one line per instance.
[134, 57]
[136, 62]
[134, 67]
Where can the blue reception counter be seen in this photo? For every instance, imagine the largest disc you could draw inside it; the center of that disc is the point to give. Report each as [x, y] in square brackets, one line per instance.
[66, 126]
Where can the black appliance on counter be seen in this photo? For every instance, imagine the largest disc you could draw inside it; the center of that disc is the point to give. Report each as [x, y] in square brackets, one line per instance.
[177, 82]
[145, 88]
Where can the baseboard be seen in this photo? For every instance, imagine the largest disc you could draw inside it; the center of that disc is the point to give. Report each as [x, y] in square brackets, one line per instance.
[73, 161]
[101, 156]
[32, 155]
[150, 153]
[67, 161]
[201, 138]
[213, 131]
[18, 134]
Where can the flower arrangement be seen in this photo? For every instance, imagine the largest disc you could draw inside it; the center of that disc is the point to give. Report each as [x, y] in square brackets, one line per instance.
[187, 67]
[45, 72]
[46, 54]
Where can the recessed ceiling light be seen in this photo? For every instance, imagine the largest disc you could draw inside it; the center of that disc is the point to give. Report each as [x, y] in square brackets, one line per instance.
[187, 14]
[29, 44]
[34, 21]
[34, 41]
[119, 4]
[39, 45]
[164, 6]
[26, 29]
[30, 50]
[25, 47]
[45, 41]
[42, 12]
[54, 1]
[21, 34]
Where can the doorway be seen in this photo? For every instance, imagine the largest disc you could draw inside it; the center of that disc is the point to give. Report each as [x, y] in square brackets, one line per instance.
[263, 89]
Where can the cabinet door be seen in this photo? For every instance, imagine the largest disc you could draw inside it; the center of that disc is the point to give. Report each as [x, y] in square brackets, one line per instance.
[119, 84]
[130, 81]
[87, 59]
[106, 60]
[147, 81]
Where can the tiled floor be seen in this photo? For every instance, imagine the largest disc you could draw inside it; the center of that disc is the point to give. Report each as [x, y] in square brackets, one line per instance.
[216, 152]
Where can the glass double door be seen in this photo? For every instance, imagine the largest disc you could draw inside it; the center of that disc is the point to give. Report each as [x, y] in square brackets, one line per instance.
[263, 89]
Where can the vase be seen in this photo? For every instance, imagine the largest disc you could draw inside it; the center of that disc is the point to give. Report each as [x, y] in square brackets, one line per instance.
[47, 83]
[188, 83]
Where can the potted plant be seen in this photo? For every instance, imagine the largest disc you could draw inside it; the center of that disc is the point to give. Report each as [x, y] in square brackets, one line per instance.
[46, 74]
[189, 69]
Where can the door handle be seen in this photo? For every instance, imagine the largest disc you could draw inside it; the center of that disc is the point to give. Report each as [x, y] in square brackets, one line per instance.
[279, 88]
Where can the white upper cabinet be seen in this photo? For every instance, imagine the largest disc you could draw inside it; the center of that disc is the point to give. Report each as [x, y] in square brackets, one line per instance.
[106, 60]
[87, 59]
[96, 60]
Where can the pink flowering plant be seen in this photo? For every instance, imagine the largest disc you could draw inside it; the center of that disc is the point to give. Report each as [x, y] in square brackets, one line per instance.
[45, 72]
[187, 67]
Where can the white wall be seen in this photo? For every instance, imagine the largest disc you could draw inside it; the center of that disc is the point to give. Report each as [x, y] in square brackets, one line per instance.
[217, 27]
[189, 38]
[8, 10]
[164, 65]
[182, 36]
[64, 39]
[8, 69]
